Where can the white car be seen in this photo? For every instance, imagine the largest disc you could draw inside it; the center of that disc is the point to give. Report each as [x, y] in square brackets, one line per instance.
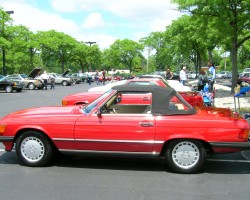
[65, 81]
[224, 74]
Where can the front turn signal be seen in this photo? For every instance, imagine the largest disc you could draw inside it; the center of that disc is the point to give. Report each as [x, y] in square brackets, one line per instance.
[64, 103]
[244, 134]
[2, 128]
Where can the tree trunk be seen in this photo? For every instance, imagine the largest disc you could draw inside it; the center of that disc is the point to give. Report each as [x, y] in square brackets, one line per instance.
[234, 60]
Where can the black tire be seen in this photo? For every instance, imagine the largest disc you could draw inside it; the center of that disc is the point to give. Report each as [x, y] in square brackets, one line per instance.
[31, 86]
[19, 90]
[185, 156]
[9, 89]
[33, 149]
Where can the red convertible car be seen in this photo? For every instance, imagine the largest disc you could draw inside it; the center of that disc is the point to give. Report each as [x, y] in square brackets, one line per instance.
[194, 98]
[167, 128]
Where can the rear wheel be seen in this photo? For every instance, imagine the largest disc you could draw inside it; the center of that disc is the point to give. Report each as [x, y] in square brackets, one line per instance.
[33, 149]
[65, 83]
[9, 88]
[185, 156]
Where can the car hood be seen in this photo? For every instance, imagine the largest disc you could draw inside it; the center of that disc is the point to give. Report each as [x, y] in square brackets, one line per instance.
[33, 74]
[45, 111]
[66, 72]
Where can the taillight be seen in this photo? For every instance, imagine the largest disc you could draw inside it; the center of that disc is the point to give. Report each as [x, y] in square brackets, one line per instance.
[244, 134]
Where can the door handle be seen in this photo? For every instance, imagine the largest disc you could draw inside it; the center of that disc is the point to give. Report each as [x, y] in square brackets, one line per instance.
[146, 99]
[146, 124]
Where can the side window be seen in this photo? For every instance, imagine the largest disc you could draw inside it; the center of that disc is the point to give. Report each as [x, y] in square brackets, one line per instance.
[176, 104]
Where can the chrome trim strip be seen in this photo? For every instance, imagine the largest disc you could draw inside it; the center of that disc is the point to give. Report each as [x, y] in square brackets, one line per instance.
[95, 152]
[64, 139]
[110, 141]
[120, 141]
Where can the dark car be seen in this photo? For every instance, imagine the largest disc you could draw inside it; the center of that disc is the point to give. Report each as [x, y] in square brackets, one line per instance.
[244, 78]
[9, 85]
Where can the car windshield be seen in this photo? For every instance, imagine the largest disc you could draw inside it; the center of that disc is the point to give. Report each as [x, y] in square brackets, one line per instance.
[91, 106]
[23, 75]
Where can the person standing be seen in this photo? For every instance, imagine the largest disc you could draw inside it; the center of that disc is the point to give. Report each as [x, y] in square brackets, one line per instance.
[202, 80]
[169, 74]
[97, 77]
[212, 74]
[45, 77]
[183, 76]
[103, 77]
[52, 81]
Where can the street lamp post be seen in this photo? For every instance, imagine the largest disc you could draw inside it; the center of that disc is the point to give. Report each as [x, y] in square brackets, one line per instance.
[4, 60]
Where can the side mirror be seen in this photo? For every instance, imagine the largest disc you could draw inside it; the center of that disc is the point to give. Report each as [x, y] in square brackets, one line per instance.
[118, 99]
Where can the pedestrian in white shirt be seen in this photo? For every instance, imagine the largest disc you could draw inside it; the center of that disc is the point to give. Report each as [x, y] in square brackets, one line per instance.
[183, 76]
[45, 78]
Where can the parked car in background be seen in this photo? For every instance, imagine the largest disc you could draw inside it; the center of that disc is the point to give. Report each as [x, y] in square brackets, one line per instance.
[1, 76]
[65, 81]
[172, 83]
[224, 74]
[9, 85]
[245, 78]
[194, 98]
[192, 75]
[78, 78]
[167, 128]
[31, 81]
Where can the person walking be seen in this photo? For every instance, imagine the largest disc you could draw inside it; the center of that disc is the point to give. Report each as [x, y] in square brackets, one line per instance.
[45, 77]
[212, 75]
[183, 76]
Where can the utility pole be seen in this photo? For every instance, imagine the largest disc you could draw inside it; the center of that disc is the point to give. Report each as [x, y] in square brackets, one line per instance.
[3, 50]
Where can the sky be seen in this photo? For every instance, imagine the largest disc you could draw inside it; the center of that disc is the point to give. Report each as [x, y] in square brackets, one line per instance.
[100, 21]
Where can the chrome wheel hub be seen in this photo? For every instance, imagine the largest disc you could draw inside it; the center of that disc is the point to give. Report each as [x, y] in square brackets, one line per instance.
[32, 149]
[185, 154]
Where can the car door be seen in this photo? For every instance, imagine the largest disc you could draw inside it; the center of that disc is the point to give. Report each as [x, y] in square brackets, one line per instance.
[116, 133]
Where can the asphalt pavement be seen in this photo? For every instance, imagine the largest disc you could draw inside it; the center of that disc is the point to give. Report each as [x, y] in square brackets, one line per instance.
[93, 178]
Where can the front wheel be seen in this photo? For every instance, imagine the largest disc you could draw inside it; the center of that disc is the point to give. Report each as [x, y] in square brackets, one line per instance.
[33, 149]
[9, 89]
[31, 86]
[185, 156]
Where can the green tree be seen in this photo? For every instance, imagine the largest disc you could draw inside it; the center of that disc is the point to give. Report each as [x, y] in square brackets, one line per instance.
[230, 18]
[56, 47]
[125, 51]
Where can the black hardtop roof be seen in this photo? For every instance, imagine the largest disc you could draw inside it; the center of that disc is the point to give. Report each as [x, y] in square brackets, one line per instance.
[161, 97]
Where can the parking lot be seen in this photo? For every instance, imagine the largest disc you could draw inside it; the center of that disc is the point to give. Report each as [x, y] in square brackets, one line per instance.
[90, 178]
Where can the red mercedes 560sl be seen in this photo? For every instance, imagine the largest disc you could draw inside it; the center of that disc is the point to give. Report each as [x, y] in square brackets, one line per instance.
[168, 128]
